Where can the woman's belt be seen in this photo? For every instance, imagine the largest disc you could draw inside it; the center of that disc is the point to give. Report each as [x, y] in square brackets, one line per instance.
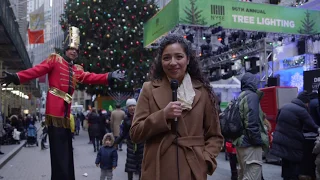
[57, 92]
[187, 144]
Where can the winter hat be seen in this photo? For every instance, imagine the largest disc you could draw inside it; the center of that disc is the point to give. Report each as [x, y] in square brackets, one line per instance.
[110, 136]
[304, 97]
[131, 102]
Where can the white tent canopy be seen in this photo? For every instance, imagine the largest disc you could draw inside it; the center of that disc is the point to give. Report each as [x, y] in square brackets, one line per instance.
[232, 82]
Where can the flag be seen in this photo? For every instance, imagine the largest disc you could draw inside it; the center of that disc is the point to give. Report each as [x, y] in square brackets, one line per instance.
[36, 26]
[42, 79]
[37, 19]
[36, 37]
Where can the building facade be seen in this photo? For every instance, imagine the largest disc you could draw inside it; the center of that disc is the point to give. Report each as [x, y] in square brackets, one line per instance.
[20, 10]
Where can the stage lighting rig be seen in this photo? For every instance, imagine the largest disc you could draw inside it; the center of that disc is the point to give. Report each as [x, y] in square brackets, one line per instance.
[206, 50]
[190, 37]
[216, 30]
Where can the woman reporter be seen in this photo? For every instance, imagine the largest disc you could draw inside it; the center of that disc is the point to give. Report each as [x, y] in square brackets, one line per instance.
[197, 129]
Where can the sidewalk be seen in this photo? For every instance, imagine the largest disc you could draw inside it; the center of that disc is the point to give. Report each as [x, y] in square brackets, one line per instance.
[11, 150]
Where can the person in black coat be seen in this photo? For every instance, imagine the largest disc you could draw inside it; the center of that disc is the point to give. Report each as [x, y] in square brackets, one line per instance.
[134, 151]
[288, 136]
[103, 128]
[94, 129]
[314, 107]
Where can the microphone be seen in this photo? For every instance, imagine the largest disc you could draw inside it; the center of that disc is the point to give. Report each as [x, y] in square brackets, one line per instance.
[174, 87]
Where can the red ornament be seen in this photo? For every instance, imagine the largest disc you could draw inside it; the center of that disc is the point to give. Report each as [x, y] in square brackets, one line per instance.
[122, 65]
[132, 17]
[83, 3]
[97, 24]
[140, 60]
[110, 20]
[125, 46]
[85, 52]
[129, 25]
[98, 64]
[109, 27]
[137, 43]
[81, 64]
[94, 11]
[122, 57]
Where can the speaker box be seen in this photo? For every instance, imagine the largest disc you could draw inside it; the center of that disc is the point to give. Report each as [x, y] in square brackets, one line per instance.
[273, 81]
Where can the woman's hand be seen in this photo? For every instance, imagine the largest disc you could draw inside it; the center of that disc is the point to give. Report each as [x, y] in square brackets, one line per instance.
[173, 110]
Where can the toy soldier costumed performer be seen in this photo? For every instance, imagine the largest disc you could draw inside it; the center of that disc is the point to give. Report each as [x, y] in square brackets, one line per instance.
[63, 76]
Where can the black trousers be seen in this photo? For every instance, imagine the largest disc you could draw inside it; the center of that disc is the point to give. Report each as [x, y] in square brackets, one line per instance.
[130, 175]
[233, 166]
[290, 170]
[61, 154]
[96, 142]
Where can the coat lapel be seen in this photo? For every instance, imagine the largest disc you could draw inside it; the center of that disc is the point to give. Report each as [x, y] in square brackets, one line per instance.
[162, 92]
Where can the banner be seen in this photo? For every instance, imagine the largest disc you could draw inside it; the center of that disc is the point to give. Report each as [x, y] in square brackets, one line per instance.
[311, 80]
[37, 19]
[36, 26]
[232, 15]
[42, 79]
[161, 23]
[36, 37]
[250, 16]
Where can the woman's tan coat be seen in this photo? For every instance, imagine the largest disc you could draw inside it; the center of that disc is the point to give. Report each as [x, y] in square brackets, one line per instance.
[200, 138]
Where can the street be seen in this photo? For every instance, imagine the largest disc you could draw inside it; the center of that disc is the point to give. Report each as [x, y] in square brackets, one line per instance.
[31, 163]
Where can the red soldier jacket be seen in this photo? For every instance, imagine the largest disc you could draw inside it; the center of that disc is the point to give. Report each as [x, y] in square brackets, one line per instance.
[59, 75]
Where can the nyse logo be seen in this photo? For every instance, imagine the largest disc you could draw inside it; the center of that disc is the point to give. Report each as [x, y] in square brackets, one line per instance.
[217, 13]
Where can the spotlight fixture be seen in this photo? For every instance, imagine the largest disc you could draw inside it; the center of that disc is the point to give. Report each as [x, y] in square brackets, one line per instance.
[189, 37]
[207, 37]
[216, 30]
[205, 50]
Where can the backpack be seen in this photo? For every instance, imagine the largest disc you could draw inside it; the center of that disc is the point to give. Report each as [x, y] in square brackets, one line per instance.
[231, 121]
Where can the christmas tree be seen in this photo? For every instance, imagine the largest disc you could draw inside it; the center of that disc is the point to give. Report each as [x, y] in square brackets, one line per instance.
[307, 25]
[111, 34]
[193, 15]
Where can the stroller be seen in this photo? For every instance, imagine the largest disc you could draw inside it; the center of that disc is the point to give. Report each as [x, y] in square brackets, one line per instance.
[32, 136]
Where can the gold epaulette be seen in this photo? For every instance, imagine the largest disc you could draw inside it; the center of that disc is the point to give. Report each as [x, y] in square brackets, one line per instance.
[79, 67]
[55, 57]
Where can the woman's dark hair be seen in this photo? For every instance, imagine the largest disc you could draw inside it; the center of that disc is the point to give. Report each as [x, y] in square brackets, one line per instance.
[156, 70]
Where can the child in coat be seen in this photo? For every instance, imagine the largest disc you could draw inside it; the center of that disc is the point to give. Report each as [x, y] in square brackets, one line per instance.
[107, 157]
[316, 150]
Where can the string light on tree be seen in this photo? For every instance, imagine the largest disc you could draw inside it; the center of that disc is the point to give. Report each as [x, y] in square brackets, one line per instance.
[111, 38]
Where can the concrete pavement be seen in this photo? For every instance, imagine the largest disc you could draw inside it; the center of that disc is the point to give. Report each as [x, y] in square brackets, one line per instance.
[32, 163]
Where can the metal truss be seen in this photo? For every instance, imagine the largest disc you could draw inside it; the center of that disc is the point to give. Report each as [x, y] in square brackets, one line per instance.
[262, 48]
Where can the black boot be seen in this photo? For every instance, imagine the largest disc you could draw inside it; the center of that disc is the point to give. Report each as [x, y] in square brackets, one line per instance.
[130, 175]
